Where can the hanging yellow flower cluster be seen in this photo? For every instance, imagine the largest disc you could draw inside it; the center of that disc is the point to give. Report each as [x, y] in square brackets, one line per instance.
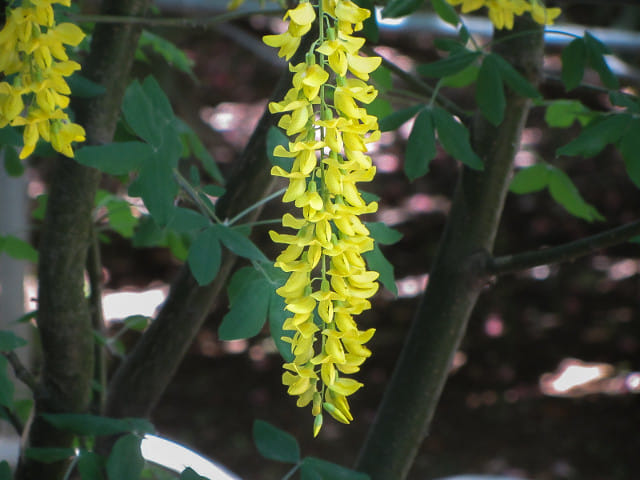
[329, 282]
[34, 62]
[501, 12]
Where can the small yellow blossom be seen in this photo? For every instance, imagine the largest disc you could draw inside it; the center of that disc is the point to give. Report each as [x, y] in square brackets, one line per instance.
[502, 12]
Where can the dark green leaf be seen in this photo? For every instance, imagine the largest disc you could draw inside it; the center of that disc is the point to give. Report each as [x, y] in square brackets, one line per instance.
[566, 194]
[383, 234]
[277, 316]
[82, 87]
[629, 147]
[173, 55]
[147, 234]
[10, 341]
[18, 248]
[454, 63]
[248, 312]
[49, 455]
[490, 91]
[447, 44]
[186, 220]
[10, 136]
[562, 113]
[574, 57]
[381, 76]
[378, 262]
[204, 256]
[599, 133]
[398, 118]
[400, 8]
[530, 179]
[379, 108]
[241, 280]
[120, 217]
[6, 385]
[125, 461]
[621, 99]
[330, 471]
[275, 444]
[213, 190]
[12, 163]
[5, 471]
[595, 52]
[463, 78]
[114, 158]
[513, 78]
[94, 425]
[90, 466]
[421, 146]
[276, 137]
[446, 12]
[157, 187]
[191, 474]
[454, 138]
[370, 197]
[239, 243]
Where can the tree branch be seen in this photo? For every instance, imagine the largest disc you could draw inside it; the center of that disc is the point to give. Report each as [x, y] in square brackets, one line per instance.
[456, 279]
[22, 373]
[563, 253]
[13, 419]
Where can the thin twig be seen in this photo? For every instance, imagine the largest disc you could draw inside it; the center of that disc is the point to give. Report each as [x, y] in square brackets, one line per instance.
[13, 419]
[251, 208]
[563, 253]
[22, 373]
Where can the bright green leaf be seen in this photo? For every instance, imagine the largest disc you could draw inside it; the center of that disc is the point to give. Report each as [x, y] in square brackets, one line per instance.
[566, 194]
[90, 466]
[490, 91]
[49, 455]
[599, 133]
[157, 187]
[6, 385]
[454, 138]
[120, 217]
[275, 444]
[330, 471]
[530, 179]
[421, 146]
[239, 243]
[394, 120]
[18, 248]
[463, 78]
[446, 12]
[562, 113]
[204, 256]
[400, 8]
[137, 322]
[383, 234]
[125, 461]
[378, 262]
[629, 147]
[574, 57]
[248, 312]
[454, 63]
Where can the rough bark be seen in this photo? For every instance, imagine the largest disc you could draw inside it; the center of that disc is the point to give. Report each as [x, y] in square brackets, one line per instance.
[64, 320]
[456, 279]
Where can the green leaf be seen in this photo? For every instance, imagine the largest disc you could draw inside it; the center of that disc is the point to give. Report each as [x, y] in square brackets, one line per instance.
[463, 78]
[191, 474]
[6, 385]
[120, 217]
[157, 187]
[599, 133]
[454, 138]
[454, 63]
[378, 262]
[90, 466]
[10, 341]
[186, 220]
[240, 281]
[125, 461]
[5, 471]
[330, 471]
[82, 87]
[382, 77]
[248, 312]
[516, 81]
[276, 137]
[574, 57]
[566, 194]
[446, 12]
[383, 234]
[398, 118]
[562, 113]
[41, 207]
[204, 256]
[12, 163]
[173, 55]
[137, 322]
[400, 8]
[421, 146]
[94, 425]
[239, 243]
[117, 158]
[621, 99]
[10, 136]
[379, 107]
[277, 317]
[18, 248]
[49, 455]
[275, 444]
[147, 233]
[197, 148]
[531, 179]
[595, 53]
[490, 91]
[629, 147]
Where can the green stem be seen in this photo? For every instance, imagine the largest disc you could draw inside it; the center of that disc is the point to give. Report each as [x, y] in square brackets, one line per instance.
[258, 204]
[186, 186]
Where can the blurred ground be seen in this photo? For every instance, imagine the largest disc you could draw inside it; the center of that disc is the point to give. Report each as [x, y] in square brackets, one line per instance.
[499, 412]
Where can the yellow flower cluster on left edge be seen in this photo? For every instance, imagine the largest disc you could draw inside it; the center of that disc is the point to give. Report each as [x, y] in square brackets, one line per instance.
[34, 61]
